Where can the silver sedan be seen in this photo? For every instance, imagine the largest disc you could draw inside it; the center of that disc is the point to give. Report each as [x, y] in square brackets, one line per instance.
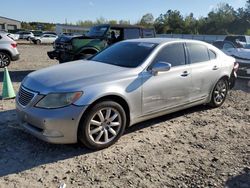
[93, 101]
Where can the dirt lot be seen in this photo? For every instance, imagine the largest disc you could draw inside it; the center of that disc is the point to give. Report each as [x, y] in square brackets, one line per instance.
[198, 147]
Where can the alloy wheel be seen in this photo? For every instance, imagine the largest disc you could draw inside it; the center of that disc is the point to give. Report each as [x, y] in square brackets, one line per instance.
[104, 125]
[4, 60]
[220, 92]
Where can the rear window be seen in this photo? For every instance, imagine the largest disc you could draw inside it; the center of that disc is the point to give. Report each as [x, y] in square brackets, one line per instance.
[234, 38]
[198, 53]
[212, 54]
[148, 33]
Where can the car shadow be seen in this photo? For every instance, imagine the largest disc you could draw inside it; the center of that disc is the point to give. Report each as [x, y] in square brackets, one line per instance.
[168, 117]
[239, 181]
[20, 151]
[16, 76]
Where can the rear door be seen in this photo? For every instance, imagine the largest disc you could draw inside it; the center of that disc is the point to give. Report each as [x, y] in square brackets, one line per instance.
[205, 69]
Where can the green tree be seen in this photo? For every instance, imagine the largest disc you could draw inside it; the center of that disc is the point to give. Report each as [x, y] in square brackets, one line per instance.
[147, 20]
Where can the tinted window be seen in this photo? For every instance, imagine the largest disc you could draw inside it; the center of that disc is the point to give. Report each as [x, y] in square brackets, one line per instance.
[173, 54]
[131, 33]
[212, 54]
[198, 53]
[147, 33]
[125, 54]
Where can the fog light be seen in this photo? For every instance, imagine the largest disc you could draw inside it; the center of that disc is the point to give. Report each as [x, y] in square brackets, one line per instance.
[52, 133]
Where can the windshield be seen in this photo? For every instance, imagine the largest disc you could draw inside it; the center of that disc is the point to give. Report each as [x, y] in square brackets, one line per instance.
[97, 31]
[125, 54]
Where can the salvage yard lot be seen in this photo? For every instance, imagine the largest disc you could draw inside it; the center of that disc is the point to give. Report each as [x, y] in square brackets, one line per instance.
[197, 147]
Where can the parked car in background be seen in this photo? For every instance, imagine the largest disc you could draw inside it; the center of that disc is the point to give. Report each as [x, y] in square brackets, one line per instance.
[13, 36]
[49, 32]
[68, 48]
[8, 50]
[37, 33]
[93, 101]
[25, 34]
[242, 56]
[44, 39]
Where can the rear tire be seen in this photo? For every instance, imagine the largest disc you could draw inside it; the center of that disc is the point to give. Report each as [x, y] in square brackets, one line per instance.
[102, 126]
[219, 93]
[4, 60]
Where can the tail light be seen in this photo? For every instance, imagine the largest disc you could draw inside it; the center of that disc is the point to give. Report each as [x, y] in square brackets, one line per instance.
[236, 66]
[14, 45]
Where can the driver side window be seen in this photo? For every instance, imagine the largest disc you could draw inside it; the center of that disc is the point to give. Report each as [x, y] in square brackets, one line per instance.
[173, 54]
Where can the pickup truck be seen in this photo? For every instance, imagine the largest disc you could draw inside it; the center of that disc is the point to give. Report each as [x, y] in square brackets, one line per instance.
[69, 48]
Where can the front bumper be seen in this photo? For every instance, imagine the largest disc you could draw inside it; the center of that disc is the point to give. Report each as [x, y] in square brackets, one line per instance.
[58, 126]
[53, 54]
[244, 68]
[62, 56]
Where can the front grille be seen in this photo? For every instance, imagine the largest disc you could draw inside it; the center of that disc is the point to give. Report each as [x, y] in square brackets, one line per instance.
[244, 70]
[25, 96]
[59, 46]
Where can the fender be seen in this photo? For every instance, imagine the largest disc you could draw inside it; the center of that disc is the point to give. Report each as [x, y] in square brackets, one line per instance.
[85, 48]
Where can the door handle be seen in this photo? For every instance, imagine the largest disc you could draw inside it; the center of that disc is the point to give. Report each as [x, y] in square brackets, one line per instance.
[185, 74]
[215, 67]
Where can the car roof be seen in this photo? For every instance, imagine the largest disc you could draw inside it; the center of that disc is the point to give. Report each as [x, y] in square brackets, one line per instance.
[121, 26]
[163, 40]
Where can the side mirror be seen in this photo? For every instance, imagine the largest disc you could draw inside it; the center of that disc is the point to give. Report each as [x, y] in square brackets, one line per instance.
[160, 67]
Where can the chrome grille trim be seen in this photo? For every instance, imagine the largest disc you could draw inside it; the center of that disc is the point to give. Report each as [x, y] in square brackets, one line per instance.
[25, 96]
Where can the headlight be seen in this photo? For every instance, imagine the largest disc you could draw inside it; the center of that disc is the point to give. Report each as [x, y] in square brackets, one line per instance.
[58, 100]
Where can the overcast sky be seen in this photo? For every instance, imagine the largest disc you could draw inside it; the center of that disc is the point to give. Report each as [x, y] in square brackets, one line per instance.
[57, 11]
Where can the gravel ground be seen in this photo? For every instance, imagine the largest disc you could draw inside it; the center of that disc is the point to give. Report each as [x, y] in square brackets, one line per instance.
[197, 147]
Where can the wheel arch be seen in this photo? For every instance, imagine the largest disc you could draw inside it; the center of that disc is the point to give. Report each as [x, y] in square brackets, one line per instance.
[115, 98]
[221, 77]
[7, 52]
[88, 50]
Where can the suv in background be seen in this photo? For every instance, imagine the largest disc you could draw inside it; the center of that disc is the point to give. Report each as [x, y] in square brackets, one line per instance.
[25, 35]
[8, 50]
[69, 48]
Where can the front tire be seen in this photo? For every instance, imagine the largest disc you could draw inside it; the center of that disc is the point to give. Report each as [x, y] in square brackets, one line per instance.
[219, 93]
[38, 42]
[4, 60]
[102, 126]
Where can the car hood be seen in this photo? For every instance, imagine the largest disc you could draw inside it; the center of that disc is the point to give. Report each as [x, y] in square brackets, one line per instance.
[240, 53]
[66, 38]
[73, 76]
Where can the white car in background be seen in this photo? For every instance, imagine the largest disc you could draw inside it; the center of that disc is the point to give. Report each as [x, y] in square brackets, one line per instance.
[242, 56]
[44, 39]
[25, 35]
[8, 50]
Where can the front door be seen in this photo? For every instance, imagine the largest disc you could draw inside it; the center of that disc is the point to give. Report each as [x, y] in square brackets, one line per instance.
[167, 89]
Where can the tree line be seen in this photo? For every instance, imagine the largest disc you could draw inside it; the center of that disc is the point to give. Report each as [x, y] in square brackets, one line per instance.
[222, 20]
